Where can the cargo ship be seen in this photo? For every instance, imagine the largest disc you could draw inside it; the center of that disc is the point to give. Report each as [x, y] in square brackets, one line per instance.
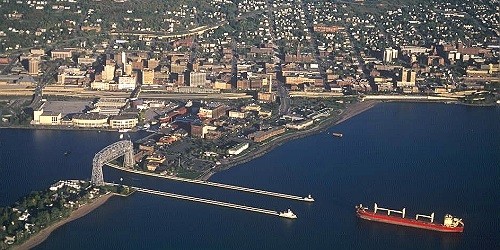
[450, 223]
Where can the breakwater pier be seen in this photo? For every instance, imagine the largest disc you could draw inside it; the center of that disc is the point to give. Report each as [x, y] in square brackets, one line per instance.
[215, 184]
[208, 201]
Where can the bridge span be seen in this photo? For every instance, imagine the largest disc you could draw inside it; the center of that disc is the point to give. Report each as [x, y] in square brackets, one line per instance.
[215, 184]
[120, 148]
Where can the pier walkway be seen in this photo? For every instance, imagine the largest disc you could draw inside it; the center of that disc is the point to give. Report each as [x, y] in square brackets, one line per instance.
[201, 200]
[215, 184]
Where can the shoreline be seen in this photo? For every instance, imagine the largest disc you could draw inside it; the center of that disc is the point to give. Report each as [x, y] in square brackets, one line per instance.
[41, 236]
[58, 127]
[72, 128]
[350, 111]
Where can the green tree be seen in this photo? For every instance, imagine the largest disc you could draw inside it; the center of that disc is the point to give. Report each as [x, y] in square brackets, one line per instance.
[43, 218]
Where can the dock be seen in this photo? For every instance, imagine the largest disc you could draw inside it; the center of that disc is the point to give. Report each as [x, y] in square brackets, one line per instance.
[206, 201]
[215, 184]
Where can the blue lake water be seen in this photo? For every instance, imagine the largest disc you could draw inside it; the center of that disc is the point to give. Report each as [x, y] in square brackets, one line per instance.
[425, 157]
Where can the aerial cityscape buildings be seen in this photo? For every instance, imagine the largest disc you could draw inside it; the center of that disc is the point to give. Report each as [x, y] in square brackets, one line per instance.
[216, 81]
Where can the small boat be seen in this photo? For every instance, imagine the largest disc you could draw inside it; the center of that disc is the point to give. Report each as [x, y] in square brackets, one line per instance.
[309, 198]
[337, 134]
[67, 153]
[288, 214]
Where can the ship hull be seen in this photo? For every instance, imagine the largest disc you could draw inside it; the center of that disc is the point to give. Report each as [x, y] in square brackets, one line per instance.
[407, 222]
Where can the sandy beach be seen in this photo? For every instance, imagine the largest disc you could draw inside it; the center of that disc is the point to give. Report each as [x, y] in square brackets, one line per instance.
[80, 212]
[349, 112]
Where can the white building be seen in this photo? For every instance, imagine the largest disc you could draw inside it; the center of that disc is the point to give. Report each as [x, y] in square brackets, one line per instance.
[97, 85]
[238, 148]
[197, 79]
[300, 125]
[60, 184]
[90, 120]
[236, 114]
[108, 73]
[41, 117]
[126, 82]
[390, 54]
[123, 122]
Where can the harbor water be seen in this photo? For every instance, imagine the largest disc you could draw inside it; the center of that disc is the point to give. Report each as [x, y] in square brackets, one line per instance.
[426, 157]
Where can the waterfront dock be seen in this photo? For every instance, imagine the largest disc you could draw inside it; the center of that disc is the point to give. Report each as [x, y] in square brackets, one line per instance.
[206, 201]
[215, 184]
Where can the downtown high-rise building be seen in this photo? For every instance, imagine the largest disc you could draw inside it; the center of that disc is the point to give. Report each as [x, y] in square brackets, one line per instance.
[108, 74]
[197, 79]
[33, 64]
[390, 54]
[148, 76]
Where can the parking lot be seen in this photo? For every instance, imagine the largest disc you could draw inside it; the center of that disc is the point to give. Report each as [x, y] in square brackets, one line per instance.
[66, 107]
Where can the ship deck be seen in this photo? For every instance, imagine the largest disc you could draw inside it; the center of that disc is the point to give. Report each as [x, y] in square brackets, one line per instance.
[407, 222]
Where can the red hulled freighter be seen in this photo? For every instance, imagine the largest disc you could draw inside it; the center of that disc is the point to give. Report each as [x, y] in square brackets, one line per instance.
[450, 224]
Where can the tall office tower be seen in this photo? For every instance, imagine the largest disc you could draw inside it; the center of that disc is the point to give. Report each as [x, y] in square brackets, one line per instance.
[33, 66]
[390, 54]
[153, 63]
[148, 76]
[197, 79]
[270, 83]
[120, 58]
[124, 58]
[404, 75]
[413, 77]
[108, 74]
[408, 77]
[128, 69]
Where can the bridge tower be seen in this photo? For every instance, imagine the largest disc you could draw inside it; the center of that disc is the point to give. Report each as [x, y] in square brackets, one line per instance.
[109, 153]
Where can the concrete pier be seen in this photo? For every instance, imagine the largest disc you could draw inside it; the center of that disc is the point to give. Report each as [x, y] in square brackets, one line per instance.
[215, 184]
[206, 201]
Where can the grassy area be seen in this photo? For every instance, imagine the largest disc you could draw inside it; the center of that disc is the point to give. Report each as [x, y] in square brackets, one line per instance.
[188, 174]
